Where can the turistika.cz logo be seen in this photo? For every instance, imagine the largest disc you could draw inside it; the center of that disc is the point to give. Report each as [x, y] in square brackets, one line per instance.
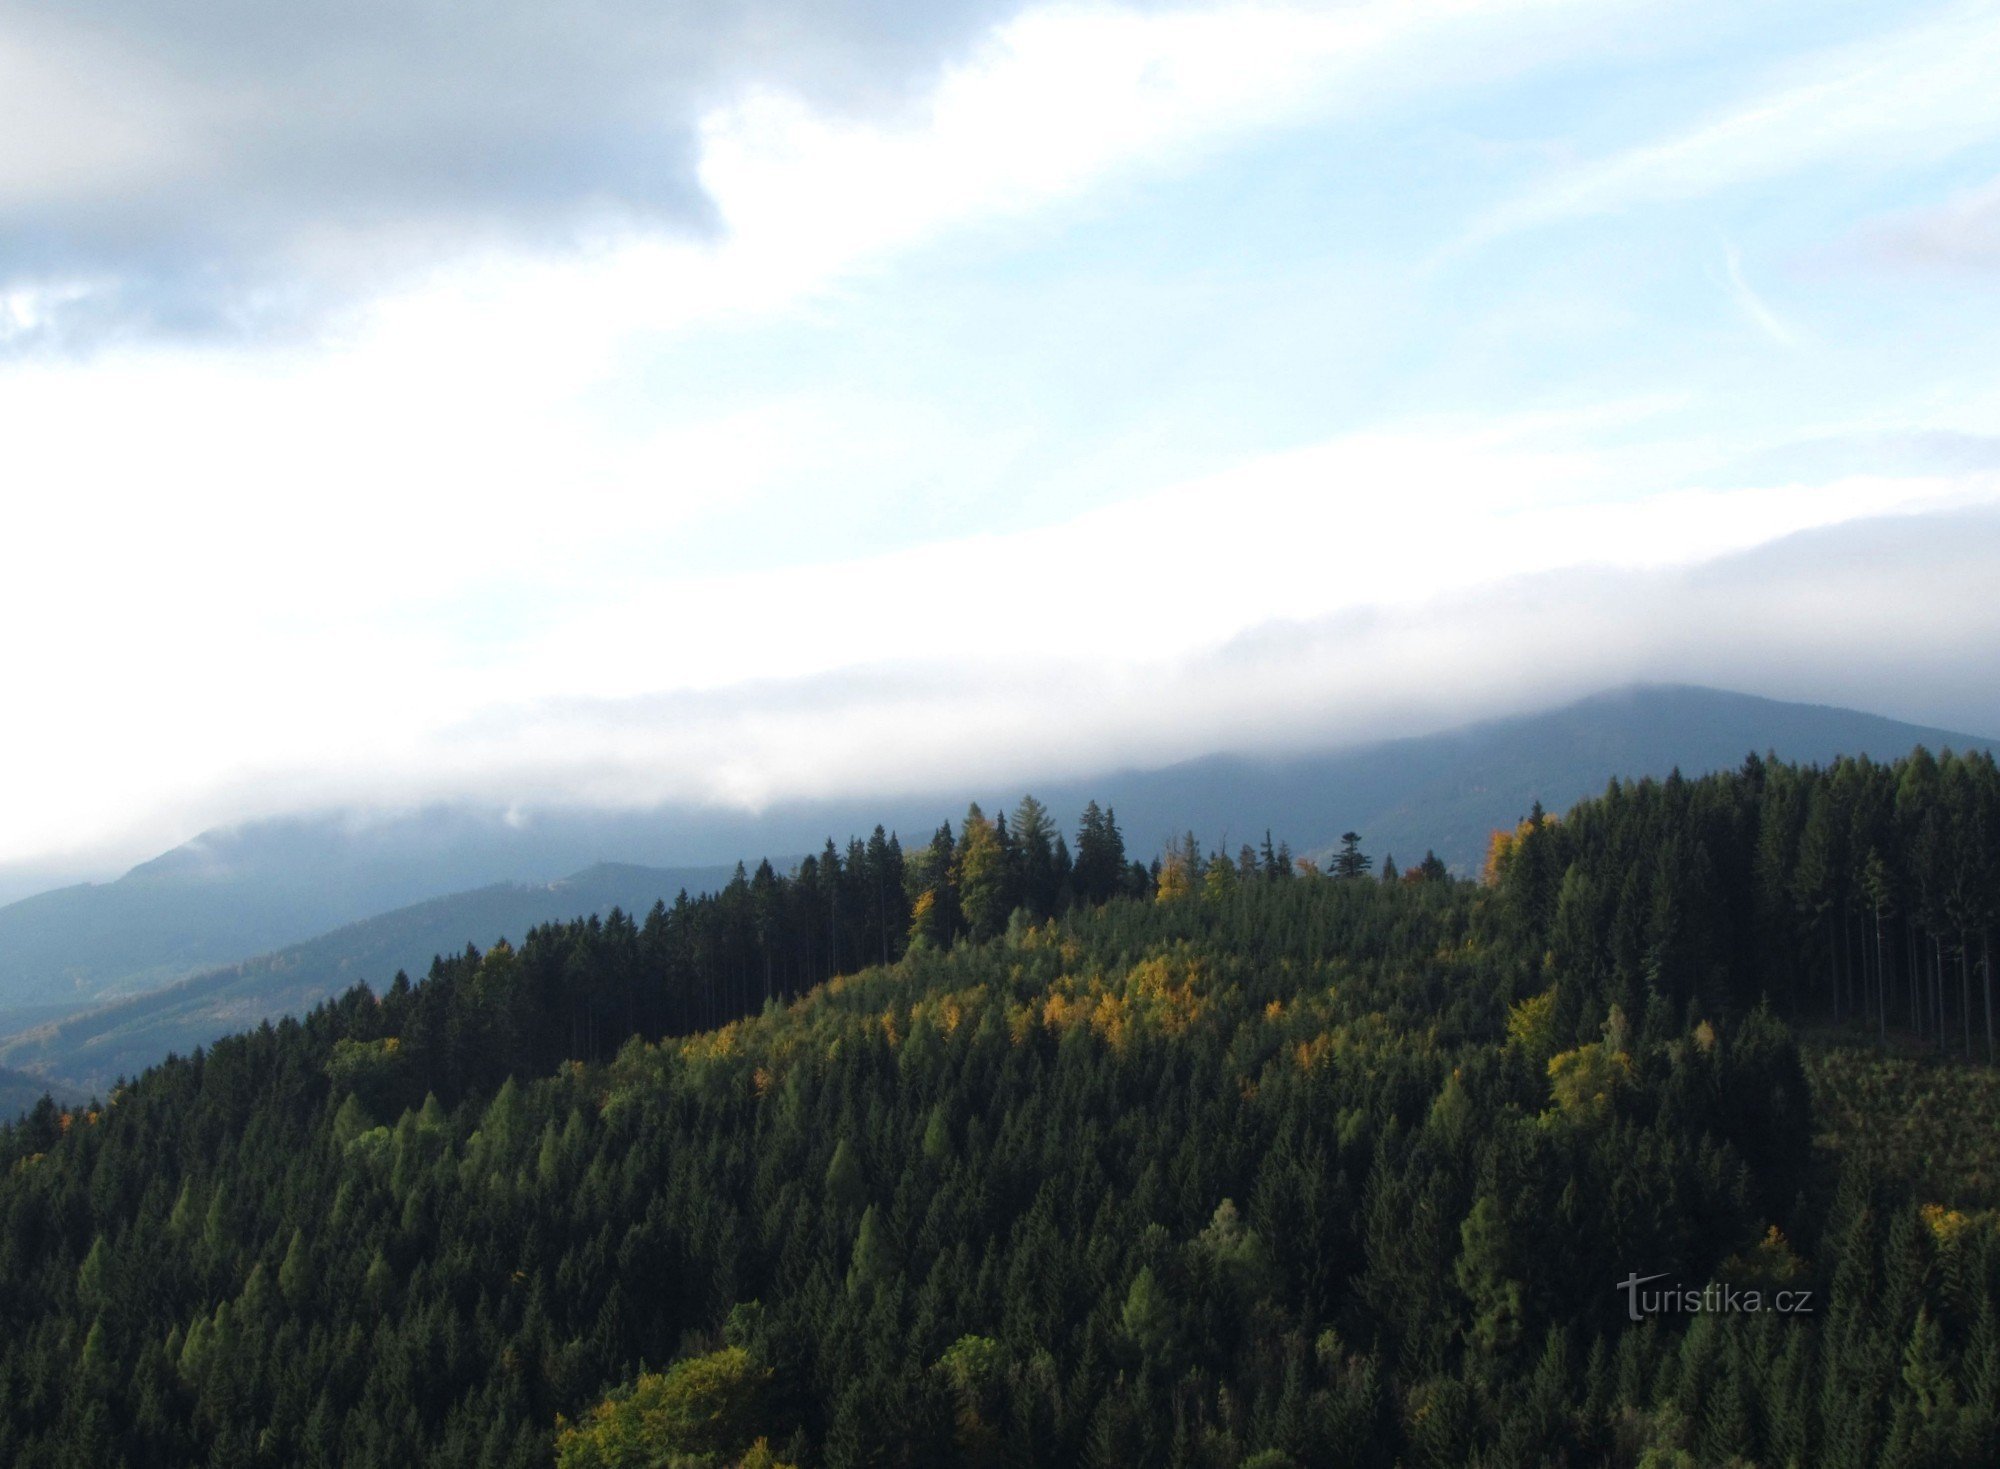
[1715, 1296]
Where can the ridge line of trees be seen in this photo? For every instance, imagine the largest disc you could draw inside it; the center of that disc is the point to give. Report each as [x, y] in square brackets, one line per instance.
[1862, 894]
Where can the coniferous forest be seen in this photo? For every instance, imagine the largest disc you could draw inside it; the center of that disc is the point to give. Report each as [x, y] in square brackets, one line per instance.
[1670, 1142]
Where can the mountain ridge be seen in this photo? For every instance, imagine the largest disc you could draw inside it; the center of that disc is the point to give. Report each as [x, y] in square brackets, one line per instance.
[235, 895]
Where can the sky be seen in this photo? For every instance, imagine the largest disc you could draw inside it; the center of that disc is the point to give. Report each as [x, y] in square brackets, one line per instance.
[734, 402]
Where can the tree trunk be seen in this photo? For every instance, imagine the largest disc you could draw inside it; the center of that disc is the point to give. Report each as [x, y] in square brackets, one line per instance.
[1937, 986]
[1986, 965]
[1857, 989]
[1910, 969]
[1881, 986]
[1965, 985]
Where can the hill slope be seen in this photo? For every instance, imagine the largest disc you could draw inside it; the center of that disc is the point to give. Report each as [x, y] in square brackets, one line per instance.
[95, 1047]
[231, 894]
[20, 1090]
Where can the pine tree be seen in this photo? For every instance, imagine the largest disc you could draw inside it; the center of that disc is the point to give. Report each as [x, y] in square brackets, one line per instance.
[979, 873]
[1350, 860]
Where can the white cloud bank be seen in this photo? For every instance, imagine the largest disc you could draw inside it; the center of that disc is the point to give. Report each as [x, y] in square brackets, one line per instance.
[422, 557]
[1379, 581]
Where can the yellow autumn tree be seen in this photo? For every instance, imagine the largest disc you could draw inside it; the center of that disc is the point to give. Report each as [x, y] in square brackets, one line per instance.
[1586, 1081]
[702, 1410]
[1531, 1025]
[1502, 845]
[1499, 852]
[926, 921]
[1177, 870]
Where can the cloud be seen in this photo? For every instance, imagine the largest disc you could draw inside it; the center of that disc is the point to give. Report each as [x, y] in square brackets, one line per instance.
[1890, 455]
[1914, 96]
[225, 168]
[1380, 582]
[1884, 614]
[203, 165]
[485, 537]
[1963, 233]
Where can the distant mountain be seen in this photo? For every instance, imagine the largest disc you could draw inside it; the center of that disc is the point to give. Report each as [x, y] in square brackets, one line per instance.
[20, 1090]
[1447, 792]
[234, 893]
[231, 894]
[93, 1048]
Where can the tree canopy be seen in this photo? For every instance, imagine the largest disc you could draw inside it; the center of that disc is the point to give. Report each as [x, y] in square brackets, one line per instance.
[1279, 1170]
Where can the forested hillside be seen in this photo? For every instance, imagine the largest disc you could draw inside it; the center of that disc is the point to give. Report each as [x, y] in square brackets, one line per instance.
[1864, 893]
[1207, 1162]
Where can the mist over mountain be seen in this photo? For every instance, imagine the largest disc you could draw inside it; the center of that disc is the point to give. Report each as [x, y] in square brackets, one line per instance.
[230, 895]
